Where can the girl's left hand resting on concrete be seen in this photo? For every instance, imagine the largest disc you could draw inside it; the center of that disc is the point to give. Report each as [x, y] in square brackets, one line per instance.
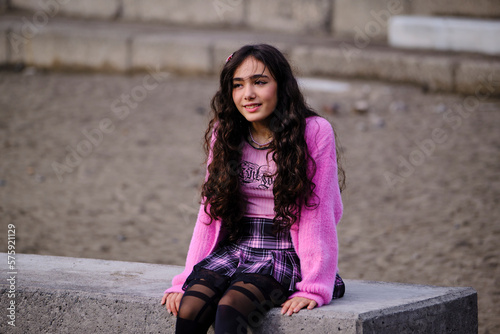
[295, 304]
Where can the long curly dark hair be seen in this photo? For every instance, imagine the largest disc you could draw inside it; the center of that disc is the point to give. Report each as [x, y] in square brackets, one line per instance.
[293, 186]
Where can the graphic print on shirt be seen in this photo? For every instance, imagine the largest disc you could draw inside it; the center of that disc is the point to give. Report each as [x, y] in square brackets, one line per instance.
[253, 173]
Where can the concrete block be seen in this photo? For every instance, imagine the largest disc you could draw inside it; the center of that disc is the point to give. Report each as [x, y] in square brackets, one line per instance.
[320, 61]
[467, 8]
[431, 72]
[79, 8]
[435, 73]
[71, 295]
[478, 78]
[99, 9]
[172, 53]
[367, 19]
[440, 33]
[300, 16]
[70, 46]
[186, 12]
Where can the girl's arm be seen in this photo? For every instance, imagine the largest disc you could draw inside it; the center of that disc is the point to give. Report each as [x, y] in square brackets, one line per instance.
[203, 241]
[315, 235]
[204, 238]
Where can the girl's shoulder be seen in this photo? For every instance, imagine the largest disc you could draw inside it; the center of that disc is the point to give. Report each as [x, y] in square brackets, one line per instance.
[318, 127]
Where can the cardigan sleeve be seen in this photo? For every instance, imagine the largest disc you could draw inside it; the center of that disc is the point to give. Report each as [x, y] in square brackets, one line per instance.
[203, 241]
[315, 235]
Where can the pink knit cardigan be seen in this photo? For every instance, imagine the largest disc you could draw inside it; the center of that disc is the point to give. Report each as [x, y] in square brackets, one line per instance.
[314, 236]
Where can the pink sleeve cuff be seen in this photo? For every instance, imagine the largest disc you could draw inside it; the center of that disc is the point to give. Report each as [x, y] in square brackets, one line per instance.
[314, 297]
[175, 288]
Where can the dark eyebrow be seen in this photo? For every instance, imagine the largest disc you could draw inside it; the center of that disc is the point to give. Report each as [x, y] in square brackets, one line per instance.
[253, 77]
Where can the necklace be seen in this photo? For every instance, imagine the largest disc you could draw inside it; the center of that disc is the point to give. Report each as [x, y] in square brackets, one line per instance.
[258, 144]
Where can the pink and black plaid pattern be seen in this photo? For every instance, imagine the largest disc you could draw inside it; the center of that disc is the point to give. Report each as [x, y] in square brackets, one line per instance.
[258, 233]
[257, 251]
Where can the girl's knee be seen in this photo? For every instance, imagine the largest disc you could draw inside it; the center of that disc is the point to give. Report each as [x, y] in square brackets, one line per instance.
[231, 299]
[188, 310]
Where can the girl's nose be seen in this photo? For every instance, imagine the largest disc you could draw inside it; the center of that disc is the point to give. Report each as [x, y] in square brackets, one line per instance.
[249, 92]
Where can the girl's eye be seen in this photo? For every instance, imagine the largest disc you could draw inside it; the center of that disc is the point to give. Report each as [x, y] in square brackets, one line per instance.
[260, 82]
[236, 85]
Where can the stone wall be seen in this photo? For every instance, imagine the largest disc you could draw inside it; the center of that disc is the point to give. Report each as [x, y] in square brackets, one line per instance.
[366, 19]
[99, 9]
[343, 18]
[64, 44]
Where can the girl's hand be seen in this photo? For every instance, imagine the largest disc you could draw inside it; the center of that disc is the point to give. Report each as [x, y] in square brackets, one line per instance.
[296, 304]
[172, 302]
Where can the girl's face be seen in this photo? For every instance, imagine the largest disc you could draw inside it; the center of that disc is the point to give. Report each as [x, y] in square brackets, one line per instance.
[255, 91]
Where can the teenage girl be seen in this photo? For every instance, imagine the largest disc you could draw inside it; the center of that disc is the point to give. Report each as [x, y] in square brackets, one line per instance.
[266, 230]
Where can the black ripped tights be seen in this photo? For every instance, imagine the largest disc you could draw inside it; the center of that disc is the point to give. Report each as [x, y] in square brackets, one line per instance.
[234, 304]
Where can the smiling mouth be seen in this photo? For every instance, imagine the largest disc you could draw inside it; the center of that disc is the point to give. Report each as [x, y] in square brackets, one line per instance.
[251, 107]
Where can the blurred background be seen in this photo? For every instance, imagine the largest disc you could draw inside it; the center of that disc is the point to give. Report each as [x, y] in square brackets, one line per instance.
[103, 107]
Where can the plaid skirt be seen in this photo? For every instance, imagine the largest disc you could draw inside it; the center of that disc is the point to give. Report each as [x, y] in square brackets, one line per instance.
[257, 251]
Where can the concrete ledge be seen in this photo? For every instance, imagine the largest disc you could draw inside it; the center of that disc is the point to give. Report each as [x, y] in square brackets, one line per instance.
[107, 51]
[476, 8]
[298, 16]
[190, 12]
[125, 47]
[366, 17]
[172, 54]
[480, 77]
[72, 295]
[431, 71]
[66, 46]
[98, 9]
[340, 17]
[444, 33]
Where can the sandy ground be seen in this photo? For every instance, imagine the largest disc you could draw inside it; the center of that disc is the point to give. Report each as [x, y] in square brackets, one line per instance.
[421, 206]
